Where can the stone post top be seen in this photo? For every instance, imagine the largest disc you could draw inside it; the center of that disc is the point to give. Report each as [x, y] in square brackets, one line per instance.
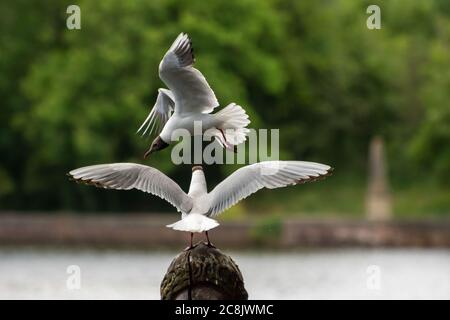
[203, 273]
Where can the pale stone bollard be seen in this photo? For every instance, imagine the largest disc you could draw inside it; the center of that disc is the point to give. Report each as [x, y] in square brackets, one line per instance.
[378, 204]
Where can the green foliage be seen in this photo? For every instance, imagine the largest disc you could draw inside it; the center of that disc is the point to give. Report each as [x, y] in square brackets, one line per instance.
[339, 195]
[310, 68]
[267, 229]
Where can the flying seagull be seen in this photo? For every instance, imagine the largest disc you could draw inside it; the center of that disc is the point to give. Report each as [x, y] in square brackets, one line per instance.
[190, 99]
[199, 206]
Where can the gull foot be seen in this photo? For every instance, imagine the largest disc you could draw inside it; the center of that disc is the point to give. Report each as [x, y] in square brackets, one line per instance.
[189, 248]
[209, 244]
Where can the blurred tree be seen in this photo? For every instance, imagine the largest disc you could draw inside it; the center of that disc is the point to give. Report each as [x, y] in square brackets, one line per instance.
[312, 69]
[430, 146]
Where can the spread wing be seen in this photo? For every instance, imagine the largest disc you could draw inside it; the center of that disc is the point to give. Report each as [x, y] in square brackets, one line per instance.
[268, 174]
[126, 176]
[191, 90]
[160, 113]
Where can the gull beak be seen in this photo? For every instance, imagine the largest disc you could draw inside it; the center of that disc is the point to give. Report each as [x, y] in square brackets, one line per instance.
[158, 144]
[149, 152]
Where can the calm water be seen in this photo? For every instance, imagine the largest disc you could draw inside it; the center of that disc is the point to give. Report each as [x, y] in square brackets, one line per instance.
[330, 274]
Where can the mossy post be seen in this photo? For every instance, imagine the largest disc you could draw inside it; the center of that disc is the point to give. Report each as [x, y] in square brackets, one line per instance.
[203, 273]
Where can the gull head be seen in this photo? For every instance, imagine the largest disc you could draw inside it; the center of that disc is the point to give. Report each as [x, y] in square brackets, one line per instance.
[157, 144]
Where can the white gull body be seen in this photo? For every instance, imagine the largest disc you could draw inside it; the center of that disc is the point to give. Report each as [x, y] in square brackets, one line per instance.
[199, 206]
[191, 99]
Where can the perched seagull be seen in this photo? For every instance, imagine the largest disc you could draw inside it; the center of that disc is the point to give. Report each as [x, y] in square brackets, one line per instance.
[190, 99]
[198, 206]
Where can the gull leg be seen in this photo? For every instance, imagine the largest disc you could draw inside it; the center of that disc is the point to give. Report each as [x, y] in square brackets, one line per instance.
[191, 245]
[209, 244]
[227, 144]
[223, 135]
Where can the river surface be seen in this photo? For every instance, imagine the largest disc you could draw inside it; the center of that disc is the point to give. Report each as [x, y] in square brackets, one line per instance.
[312, 274]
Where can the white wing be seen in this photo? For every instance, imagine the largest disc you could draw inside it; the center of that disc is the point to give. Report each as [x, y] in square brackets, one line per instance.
[268, 174]
[160, 113]
[126, 176]
[188, 85]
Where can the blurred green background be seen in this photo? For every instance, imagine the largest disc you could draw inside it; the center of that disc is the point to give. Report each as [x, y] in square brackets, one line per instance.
[312, 69]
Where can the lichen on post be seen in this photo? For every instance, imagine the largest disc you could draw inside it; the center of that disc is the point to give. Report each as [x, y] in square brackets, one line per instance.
[203, 273]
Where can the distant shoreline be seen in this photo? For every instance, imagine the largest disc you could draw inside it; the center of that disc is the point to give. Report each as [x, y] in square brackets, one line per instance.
[149, 231]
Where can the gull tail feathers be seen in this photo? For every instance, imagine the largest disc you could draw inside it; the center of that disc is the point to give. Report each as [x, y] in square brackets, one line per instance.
[194, 223]
[234, 121]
